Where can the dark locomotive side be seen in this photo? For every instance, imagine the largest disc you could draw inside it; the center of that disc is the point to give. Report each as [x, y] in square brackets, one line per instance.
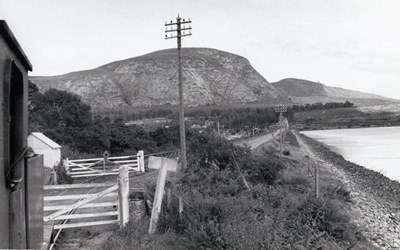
[21, 185]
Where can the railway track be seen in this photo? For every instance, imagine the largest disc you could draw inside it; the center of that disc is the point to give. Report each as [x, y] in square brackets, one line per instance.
[61, 240]
[90, 237]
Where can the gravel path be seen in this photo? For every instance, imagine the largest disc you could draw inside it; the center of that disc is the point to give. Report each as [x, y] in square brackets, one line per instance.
[375, 198]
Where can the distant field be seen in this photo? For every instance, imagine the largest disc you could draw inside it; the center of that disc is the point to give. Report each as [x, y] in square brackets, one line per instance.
[343, 118]
[328, 113]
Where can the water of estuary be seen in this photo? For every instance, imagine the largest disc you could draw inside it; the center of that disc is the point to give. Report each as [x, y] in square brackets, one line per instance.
[374, 148]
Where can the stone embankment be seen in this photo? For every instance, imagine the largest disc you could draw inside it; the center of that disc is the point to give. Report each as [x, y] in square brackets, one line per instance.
[375, 198]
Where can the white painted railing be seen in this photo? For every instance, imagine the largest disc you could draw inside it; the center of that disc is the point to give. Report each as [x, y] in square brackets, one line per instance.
[111, 204]
[104, 166]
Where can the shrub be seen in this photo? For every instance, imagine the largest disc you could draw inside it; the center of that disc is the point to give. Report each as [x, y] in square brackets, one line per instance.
[325, 216]
[62, 176]
[338, 191]
[291, 138]
[262, 169]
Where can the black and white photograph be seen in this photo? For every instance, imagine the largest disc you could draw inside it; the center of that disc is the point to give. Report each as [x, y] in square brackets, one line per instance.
[200, 124]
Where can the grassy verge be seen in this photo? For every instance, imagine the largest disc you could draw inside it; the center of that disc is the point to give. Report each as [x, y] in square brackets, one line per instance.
[384, 187]
[279, 212]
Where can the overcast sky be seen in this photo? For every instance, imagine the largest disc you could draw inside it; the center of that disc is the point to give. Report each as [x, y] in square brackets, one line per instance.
[353, 44]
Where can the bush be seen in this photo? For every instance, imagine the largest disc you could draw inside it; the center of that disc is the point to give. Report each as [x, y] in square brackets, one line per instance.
[291, 138]
[338, 191]
[62, 176]
[262, 169]
[215, 167]
[324, 216]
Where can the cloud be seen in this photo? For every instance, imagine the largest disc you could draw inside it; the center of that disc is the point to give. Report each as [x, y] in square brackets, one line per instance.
[369, 67]
[376, 65]
[287, 46]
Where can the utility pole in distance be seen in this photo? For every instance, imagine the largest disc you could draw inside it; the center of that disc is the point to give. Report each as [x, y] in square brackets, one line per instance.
[180, 32]
[280, 109]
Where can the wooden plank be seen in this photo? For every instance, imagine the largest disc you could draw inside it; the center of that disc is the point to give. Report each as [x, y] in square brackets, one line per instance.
[83, 160]
[78, 185]
[140, 155]
[158, 196]
[85, 224]
[316, 181]
[89, 205]
[79, 166]
[83, 172]
[75, 196]
[90, 175]
[94, 163]
[155, 163]
[84, 165]
[122, 157]
[126, 161]
[123, 192]
[101, 159]
[86, 215]
[73, 168]
[80, 203]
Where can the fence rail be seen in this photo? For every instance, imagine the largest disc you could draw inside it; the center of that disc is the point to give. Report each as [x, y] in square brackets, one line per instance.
[104, 166]
[113, 197]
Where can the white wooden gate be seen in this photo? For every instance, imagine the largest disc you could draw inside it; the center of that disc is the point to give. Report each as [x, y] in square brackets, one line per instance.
[104, 166]
[109, 206]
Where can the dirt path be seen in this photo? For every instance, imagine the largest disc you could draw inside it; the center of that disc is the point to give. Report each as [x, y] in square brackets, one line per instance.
[372, 213]
[93, 237]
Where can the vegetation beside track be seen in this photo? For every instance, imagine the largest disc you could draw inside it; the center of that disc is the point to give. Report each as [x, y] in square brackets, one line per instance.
[278, 212]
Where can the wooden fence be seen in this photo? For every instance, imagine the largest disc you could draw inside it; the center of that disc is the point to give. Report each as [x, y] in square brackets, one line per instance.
[104, 166]
[110, 205]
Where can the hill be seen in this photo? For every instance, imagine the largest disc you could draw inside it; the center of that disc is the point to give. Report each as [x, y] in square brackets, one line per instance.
[303, 91]
[210, 77]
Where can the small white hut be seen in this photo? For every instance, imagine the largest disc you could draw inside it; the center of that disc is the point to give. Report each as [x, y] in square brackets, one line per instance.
[43, 145]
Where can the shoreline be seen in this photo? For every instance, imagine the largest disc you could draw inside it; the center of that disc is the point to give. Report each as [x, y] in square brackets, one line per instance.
[375, 197]
[343, 128]
[381, 168]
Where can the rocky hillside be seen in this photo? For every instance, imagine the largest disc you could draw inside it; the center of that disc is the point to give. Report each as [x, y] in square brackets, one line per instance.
[302, 91]
[210, 77]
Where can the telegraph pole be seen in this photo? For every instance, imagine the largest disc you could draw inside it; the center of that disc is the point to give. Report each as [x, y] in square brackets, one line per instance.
[180, 32]
[281, 109]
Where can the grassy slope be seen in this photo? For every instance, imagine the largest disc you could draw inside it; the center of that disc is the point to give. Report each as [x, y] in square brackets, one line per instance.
[282, 216]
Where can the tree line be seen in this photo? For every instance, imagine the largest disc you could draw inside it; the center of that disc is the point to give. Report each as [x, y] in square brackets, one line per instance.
[320, 105]
[63, 117]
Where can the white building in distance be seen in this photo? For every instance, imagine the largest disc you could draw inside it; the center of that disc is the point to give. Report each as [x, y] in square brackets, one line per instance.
[43, 145]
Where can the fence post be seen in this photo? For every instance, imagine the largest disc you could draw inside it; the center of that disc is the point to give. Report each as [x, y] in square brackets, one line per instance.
[280, 139]
[65, 164]
[55, 177]
[169, 198]
[123, 196]
[316, 180]
[180, 207]
[140, 156]
[158, 196]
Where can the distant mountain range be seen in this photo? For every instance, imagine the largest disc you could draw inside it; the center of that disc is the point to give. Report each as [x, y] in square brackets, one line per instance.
[210, 76]
[303, 91]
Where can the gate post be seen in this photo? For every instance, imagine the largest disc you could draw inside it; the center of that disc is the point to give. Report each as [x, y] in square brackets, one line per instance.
[65, 164]
[140, 157]
[123, 196]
